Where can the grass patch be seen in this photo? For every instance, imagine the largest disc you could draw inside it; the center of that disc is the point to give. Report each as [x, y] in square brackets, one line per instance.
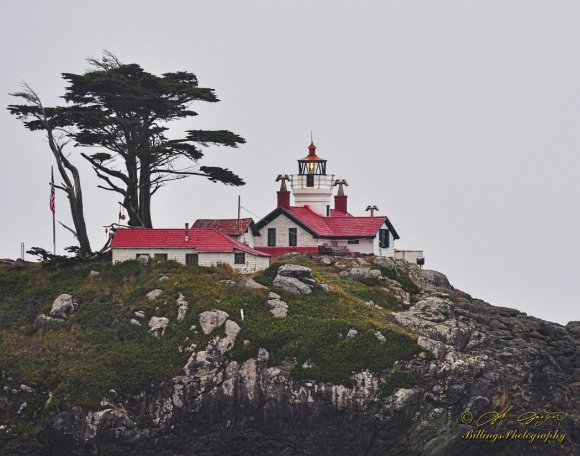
[398, 379]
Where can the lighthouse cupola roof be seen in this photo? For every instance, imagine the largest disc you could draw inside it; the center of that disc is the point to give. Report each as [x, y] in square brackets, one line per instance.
[312, 163]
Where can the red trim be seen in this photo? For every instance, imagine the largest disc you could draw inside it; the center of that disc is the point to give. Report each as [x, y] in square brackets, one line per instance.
[279, 251]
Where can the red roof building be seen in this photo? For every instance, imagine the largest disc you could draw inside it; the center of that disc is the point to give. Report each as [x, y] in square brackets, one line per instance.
[242, 230]
[206, 247]
[311, 223]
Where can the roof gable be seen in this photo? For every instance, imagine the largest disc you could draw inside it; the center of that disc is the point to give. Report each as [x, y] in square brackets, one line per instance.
[228, 226]
[335, 226]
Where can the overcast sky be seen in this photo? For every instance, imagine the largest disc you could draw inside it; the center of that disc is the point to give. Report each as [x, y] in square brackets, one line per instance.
[460, 120]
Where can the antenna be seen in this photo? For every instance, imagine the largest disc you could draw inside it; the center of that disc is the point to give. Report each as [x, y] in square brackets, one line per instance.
[311, 140]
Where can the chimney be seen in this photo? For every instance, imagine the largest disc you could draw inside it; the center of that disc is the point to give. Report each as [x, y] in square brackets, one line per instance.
[283, 198]
[340, 203]
[340, 200]
[187, 232]
[283, 193]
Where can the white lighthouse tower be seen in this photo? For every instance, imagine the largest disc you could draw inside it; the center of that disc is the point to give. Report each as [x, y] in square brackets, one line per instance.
[312, 187]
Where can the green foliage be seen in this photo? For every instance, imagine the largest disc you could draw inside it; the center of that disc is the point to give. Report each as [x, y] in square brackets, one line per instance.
[402, 277]
[97, 349]
[398, 379]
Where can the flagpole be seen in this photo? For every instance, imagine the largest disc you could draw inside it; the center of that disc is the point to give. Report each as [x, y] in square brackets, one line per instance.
[53, 205]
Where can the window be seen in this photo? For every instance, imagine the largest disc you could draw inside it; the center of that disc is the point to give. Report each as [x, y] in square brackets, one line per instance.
[353, 241]
[271, 237]
[310, 180]
[240, 258]
[292, 237]
[160, 257]
[384, 239]
[139, 255]
[191, 258]
[327, 210]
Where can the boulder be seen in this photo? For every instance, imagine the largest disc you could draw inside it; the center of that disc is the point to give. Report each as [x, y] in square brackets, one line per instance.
[273, 295]
[352, 332]
[435, 279]
[154, 294]
[360, 273]
[182, 306]
[325, 261]
[134, 322]
[212, 319]
[232, 330]
[94, 273]
[252, 284]
[158, 325]
[384, 262]
[296, 271]
[63, 306]
[140, 314]
[292, 285]
[43, 320]
[143, 259]
[279, 308]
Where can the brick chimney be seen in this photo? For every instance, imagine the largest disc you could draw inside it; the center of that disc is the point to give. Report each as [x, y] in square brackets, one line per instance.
[283, 193]
[340, 203]
[283, 198]
[187, 232]
[340, 200]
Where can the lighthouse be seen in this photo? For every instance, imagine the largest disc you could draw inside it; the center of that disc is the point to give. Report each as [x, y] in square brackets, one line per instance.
[312, 187]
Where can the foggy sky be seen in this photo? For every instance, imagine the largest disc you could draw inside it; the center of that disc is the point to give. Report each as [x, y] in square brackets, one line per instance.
[460, 120]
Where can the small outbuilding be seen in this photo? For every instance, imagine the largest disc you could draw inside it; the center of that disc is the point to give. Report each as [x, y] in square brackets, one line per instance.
[206, 247]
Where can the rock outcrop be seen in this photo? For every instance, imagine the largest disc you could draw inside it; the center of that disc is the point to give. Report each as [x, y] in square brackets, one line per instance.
[484, 360]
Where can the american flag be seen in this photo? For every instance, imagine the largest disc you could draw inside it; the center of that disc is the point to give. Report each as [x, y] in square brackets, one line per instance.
[52, 195]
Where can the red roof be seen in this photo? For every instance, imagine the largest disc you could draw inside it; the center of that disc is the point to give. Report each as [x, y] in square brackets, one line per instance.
[344, 225]
[335, 213]
[203, 240]
[227, 226]
[338, 225]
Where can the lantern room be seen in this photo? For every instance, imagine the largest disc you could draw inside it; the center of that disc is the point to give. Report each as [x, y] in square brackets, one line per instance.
[311, 165]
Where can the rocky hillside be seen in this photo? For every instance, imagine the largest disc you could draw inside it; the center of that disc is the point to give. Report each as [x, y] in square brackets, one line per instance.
[313, 356]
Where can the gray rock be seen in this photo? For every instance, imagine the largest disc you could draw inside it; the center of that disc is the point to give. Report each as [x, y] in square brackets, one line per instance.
[273, 295]
[384, 262]
[212, 319]
[158, 325]
[352, 332]
[154, 294]
[140, 314]
[44, 320]
[435, 279]
[292, 285]
[232, 330]
[252, 284]
[295, 270]
[279, 308]
[357, 273]
[63, 306]
[182, 306]
[94, 273]
[279, 312]
[135, 322]
[325, 261]
[163, 278]
[143, 259]
[380, 337]
[323, 287]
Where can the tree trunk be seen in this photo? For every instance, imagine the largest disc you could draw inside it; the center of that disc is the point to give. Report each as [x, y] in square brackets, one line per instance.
[131, 201]
[145, 192]
[74, 193]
